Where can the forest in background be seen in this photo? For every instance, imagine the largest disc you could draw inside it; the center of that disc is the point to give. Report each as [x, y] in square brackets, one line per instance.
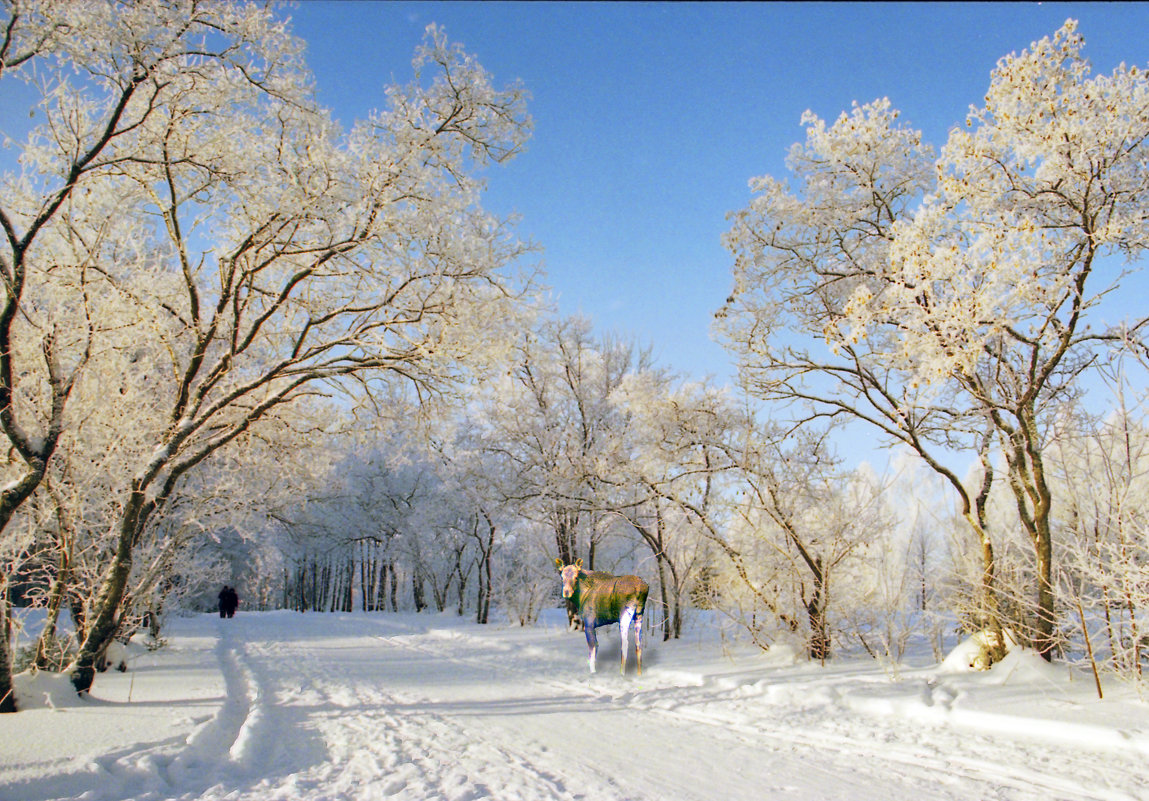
[239, 344]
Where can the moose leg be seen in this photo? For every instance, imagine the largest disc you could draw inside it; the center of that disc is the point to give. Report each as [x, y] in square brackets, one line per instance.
[638, 639]
[591, 642]
[624, 632]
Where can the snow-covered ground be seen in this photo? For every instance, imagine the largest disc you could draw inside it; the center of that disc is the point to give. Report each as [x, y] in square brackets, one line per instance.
[281, 705]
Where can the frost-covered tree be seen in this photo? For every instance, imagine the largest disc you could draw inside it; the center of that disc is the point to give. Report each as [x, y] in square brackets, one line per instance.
[1099, 474]
[355, 525]
[797, 251]
[672, 468]
[480, 482]
[799, 518]
[897, 583]
[551, 422]
[534, 452]
[524, 581]
[184, 167]
[951, 295]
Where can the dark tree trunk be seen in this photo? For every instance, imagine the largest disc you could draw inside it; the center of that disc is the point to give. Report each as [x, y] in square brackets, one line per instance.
[462, 576]
[483, 598]
[819, 647]
[55, 602]
[111, 595]
[485, 609]
[666, 624]
[349, 596]
[668, 592]
[566, 535]
[417, 591]
[7, 691]
[367, 577]
[381, 602]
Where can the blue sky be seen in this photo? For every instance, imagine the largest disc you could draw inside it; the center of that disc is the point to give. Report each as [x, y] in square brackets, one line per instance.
[650, 118]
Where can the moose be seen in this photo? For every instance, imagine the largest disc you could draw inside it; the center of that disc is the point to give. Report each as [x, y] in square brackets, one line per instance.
[599, 599]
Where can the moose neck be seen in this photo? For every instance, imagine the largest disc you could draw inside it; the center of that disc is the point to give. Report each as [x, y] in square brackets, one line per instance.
[582, 588]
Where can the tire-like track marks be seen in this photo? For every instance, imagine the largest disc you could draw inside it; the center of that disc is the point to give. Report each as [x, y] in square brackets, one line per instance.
[377, 742]
[865, 740]
[384, 708]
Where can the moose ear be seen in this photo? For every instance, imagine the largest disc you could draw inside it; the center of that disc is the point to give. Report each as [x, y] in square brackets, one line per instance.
[559, 564]
[578, 563]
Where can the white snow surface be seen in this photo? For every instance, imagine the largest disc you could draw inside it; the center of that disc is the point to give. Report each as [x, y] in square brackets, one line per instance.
[283, 705]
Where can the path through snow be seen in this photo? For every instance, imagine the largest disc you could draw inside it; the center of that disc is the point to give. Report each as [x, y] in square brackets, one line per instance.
[306, 707]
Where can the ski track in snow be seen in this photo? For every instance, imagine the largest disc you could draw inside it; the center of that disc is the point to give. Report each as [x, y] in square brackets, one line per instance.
[228, 745]
[412, 707]
[864, 742]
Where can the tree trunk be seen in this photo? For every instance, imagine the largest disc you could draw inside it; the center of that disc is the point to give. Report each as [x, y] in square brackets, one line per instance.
[482, 594]
[819, 640]
[379, 593]
[1045, 641]
[1034, 505]
[566, 535]
[349, 597]
[976, 516]
[366, 577]
[672, 601]
[484, 600]
[55, 601]
[666, 622]
[102, 627]
[417, 591]
[819, 647]
[384, 586]
[487, 591]
[325, 587]
[462, 577]
[315, 591]
[79, 617]
[989, 601]
[7, 691]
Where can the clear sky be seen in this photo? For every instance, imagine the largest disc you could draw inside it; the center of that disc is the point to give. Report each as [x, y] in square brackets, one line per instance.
[650, 118]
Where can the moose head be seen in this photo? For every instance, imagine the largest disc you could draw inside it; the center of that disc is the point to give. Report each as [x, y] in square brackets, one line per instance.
[569, 574]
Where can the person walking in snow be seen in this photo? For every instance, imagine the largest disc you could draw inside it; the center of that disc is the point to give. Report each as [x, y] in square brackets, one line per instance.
[228, 601]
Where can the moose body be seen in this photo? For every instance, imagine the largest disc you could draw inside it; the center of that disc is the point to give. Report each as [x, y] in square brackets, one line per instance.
[600, 599]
